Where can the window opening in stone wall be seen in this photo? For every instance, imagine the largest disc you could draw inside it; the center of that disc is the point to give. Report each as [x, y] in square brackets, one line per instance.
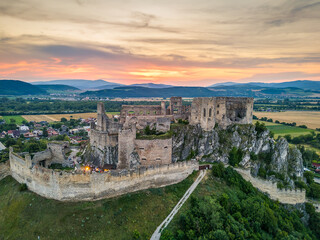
[210, 112]
[204, 112]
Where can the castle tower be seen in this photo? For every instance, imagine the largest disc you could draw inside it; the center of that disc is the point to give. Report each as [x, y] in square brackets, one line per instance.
[127, 135]
[102, 118]
[163, 108]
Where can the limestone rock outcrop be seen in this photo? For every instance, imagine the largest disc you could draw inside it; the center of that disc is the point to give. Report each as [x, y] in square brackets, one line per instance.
[191, 142]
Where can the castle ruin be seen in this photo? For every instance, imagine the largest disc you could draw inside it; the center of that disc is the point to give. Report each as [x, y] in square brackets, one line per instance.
[139, 160]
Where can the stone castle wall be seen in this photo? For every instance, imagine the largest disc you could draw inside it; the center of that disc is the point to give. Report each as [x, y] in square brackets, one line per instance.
[140, 110]
[65, 186]
[4, 170]
[284, 196]
[154, 152]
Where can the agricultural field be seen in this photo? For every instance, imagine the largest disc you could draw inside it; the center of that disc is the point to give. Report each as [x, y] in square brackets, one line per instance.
[57, 117]
[309, 118]
[281, 130]
[18, 119]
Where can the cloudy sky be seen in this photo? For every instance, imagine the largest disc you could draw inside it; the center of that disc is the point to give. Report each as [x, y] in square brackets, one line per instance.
[180, 42]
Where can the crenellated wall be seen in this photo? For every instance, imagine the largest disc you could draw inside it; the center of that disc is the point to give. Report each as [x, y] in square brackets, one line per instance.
[66, 186]
[284, 196]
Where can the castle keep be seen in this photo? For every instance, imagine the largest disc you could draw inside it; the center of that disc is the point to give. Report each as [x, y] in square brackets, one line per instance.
[138, 160]
[221, 110]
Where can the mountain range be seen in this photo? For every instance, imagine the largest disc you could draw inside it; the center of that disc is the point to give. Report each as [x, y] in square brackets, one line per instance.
[81, 83]
[303, 84]
[101, 88]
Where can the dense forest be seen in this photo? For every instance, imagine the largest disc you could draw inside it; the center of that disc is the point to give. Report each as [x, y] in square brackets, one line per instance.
[287, 104]
[21, 106]
[240, 212]
[15, 87]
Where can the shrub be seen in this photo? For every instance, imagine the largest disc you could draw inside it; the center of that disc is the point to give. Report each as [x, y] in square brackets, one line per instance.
[260, 127]
[262, 172]
[23, 187]
[218, 170]
[235, 156]
[300, 184]
[135, 234]
[309, 177]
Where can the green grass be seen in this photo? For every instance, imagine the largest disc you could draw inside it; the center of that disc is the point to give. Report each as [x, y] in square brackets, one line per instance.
[18, 119]
[281, 130]
[166, 135]
[25, 215]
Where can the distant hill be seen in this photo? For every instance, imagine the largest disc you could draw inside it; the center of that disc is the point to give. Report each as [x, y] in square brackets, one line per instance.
[130, 91]
[243, 90]
[57, 87]
[79, 83]
[16, 87]
[303, 84]
[151, 85]
[224, 84]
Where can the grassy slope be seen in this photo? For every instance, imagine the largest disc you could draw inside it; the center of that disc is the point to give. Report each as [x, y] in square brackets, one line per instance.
[281, 130]
[18, 119]
[25, 215]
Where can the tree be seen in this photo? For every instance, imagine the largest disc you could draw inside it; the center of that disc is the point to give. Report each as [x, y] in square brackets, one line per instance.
[218, 170]
[63, 120]
[45, 132]
[309, 176]
[235, 156]
[314, 191]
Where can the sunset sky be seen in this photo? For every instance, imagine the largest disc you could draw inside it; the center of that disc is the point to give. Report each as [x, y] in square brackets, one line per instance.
[185, 42]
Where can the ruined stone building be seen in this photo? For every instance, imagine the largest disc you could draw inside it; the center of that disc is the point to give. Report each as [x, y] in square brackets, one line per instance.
[115, 142]
[207, 111]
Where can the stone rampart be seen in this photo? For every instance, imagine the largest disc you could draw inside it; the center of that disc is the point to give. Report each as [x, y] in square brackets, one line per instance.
[284, 196]
[4, 169]
[67, 186]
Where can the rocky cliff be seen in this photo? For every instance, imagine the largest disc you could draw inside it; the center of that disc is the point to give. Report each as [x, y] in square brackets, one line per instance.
[254, 147]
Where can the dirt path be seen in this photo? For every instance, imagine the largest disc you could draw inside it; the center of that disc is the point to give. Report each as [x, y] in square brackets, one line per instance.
[157, 234]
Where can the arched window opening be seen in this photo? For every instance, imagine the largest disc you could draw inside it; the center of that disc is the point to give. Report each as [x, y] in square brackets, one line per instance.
[204, 112]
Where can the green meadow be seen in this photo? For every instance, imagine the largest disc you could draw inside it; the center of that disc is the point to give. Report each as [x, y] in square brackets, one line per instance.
[18, 119]
[281, 130]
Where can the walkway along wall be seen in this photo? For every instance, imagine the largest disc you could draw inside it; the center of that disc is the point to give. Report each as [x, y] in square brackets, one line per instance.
[65, 186]
[284, 196]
